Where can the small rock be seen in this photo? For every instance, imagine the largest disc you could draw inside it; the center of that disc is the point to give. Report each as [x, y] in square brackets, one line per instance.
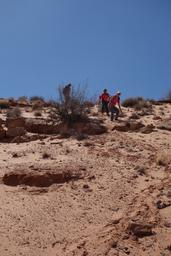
[116, 221]
[85, 186]
[140, 230]
[15, 155]
[169, 247]
[162, 205]
[148, 129]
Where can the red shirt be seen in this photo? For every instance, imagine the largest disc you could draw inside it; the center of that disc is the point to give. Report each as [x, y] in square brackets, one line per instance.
[105, 97]
[115, 100]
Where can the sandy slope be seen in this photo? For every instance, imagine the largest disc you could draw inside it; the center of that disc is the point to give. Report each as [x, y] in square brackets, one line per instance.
[121, 184]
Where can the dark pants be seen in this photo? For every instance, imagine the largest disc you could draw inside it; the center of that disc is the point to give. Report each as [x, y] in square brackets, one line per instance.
[105, 107]
[114, 110]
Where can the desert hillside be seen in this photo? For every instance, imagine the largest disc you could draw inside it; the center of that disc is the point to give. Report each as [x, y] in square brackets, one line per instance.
[98, 189]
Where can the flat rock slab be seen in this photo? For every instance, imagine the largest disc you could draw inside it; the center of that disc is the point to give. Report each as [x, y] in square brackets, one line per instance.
[140, 230]
[39, 178]
[128, 126]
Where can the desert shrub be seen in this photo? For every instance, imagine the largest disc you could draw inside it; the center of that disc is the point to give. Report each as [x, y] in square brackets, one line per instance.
[153, 101]
[36, 98]
[143, 105]
[138, 103]
[88, 104]
[37, 105]
[4, 104]
[14, 113]
[23, 98]
[163, 158]
[50, 103]
[135, 116]
[131, 102]
[11, 99]
[168, 96]
[92, 101]
[72, 111]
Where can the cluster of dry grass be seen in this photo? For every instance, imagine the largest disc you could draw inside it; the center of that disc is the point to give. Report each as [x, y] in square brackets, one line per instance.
[163, 158]
[138, 103]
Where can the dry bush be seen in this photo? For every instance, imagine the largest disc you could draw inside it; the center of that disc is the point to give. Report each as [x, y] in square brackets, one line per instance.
[50, 103]
[168, 96]
[153, 102]
[163, 158]
[143, 105]
[14, 113]
[138, 103]
[131, 102]
[134, 116]
[37, 98]
[23, 98]
[89, 104]
[72, 111]
[37, 105]
[4, 104]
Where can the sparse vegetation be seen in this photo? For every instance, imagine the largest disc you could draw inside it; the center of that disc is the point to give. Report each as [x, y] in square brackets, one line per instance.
[14, 113]
[168, 96]
[163, 158]
[72, 111]
[37, 105]
[89, 104]
[36, 98]
[4, 104]
[131, 102]
[138, 103]
[23, 98]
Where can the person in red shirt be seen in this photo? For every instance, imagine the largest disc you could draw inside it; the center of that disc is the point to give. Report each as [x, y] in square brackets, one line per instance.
[105, 97]
[115, 106]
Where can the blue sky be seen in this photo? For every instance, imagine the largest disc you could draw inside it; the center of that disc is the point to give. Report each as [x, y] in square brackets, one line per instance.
[113, 44]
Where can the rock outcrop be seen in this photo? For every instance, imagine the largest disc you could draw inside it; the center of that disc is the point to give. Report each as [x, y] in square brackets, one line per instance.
[39, 179]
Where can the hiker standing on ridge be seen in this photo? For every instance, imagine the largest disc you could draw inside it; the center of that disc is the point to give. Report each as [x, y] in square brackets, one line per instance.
[114, 102]
[105, 97]
[67, 93]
